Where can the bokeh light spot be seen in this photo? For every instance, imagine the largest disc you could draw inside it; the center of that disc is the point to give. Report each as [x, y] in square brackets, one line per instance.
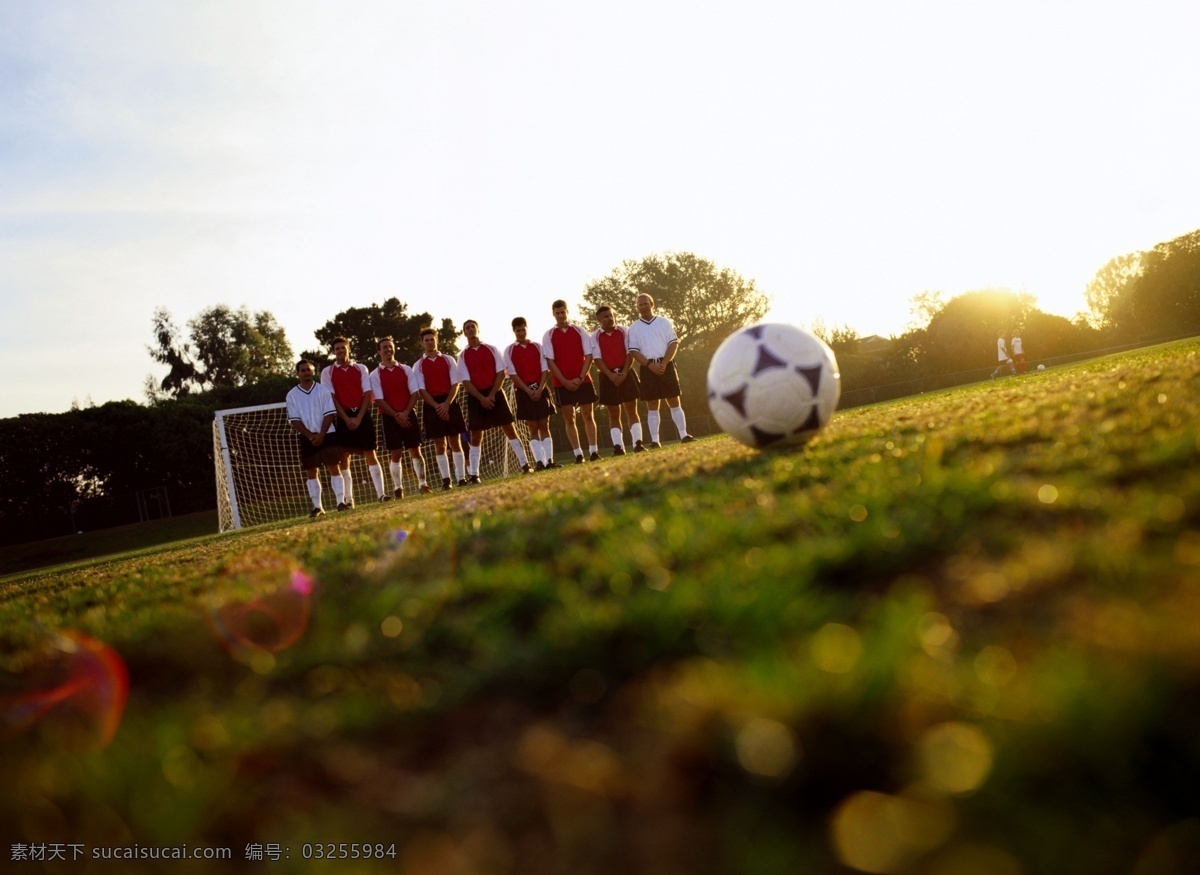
[836, 648]
[766, 748]
[954, 758]
[875, 832]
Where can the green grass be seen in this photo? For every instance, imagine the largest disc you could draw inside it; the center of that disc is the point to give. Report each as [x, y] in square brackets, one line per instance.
[956, 633]
[55, 553]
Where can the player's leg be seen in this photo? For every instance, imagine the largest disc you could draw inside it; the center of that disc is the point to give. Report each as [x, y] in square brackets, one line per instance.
[652, 421]
[514, 441]
[313, 482]
[376, 473]
[614, 428]
[680, 420]
[418, 463]
[443, 462]
[630, 409]
[476, 454]
[339, 479]
[460, 459]
[568, 415]
[589, 427]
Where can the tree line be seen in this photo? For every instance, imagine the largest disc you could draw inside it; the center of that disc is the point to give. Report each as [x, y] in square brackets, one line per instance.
[57, 464]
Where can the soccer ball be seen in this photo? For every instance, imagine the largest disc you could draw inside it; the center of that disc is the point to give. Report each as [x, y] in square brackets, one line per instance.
[773, 385]
[1041, 367]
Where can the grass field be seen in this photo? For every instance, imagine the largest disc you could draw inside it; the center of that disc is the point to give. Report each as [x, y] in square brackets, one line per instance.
[957, 633]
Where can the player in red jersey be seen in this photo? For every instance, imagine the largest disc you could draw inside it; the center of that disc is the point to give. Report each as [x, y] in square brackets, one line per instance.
[618, 383]
[395, 388]
[350, 384]
[482, 371]
[438, 382]
[568, 351]
[531, 375]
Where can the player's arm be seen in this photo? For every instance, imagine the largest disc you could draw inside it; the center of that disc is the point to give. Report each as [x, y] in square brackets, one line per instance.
[516, 376]
[672, 348]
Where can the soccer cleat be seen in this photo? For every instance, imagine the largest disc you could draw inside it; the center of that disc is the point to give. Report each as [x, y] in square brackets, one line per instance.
[595, 457]
[579, 460]
[400, 492]
[384, 498]
[687, 439]
[315, 512]
[474, 480]
[462, 482]
[655, 445]
[446, 484]
[618, 451]
[425, 490]
[344, 506]
[639, 447]
[541, 466]
[526, 469]
[552, 464]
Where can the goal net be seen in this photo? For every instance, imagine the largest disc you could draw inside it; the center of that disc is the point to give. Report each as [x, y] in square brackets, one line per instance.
[259, 479]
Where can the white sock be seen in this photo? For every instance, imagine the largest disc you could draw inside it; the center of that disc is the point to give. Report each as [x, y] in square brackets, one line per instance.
[652, 422]
[548, 448]
[473, 468]
[419, 470]
[535, 447]
[443, 467]
[519, 450]
[618, 438]
[314, 491]
[338, 484]
[397, 475]
[376, 473]
[348, 486]
[635, 431]
[680, 420]
[592, 448]
[460, 464]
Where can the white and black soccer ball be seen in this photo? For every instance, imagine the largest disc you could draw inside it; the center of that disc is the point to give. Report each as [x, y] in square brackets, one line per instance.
[773, 385]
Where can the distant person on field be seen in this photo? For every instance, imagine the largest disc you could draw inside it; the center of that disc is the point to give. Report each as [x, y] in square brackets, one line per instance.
[438, 382]
[569, 353]
[530, 374]
[1002, 356]
[618, 385]
[1018, 352]
[350, 384]
[653, 343]
[482, 371]
[394, 386]
[311, 413]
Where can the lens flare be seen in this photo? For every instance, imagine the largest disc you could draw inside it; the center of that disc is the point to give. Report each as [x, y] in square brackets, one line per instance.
[77, 692]
[276, 614]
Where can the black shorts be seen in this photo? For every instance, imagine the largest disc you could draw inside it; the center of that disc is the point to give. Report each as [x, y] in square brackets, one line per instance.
[528, 409]
[585, 394]
[436, 427]
[611, 394]
[314, 457]
[479, 418]
[360, 439]
[655, 387]
[397, 437]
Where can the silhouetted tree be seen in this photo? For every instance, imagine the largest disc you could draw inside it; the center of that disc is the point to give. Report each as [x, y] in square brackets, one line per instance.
[363, 326]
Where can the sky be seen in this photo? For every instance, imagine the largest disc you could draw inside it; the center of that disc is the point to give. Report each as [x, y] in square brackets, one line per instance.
[480, 159]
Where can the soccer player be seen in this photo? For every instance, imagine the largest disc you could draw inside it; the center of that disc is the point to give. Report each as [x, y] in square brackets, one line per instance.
[1002, 357]
[618, 385]
[653, 343]
[350, 384]
[482, 371]
[311, 413]
[530, 373]
[1018, 352]
[438, 382]
[394, 386]
[568, 351]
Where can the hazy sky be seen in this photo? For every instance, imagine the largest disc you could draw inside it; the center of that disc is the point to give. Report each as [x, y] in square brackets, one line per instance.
[479, 159]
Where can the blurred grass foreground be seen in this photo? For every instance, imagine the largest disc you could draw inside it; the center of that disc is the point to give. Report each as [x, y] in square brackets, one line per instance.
[957, 633]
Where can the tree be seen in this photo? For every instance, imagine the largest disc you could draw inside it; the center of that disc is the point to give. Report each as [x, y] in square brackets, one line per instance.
[363, 326]
[1109, 293]
[705, 303]
[226, 348]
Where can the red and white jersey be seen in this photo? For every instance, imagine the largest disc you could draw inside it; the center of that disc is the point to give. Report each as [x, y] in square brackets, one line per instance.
[651, 337]
[569, 347]
[479, 365]
[310, 408]
[395, 385]
[526, 361]
[347, 383]
[436, 375]
[612, 347]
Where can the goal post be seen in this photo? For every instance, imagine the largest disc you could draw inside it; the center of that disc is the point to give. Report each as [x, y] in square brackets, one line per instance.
[259, 480]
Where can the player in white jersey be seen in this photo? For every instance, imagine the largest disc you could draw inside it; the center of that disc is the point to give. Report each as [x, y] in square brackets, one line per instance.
[1002, 357]
[311, 413]
[653, 343]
